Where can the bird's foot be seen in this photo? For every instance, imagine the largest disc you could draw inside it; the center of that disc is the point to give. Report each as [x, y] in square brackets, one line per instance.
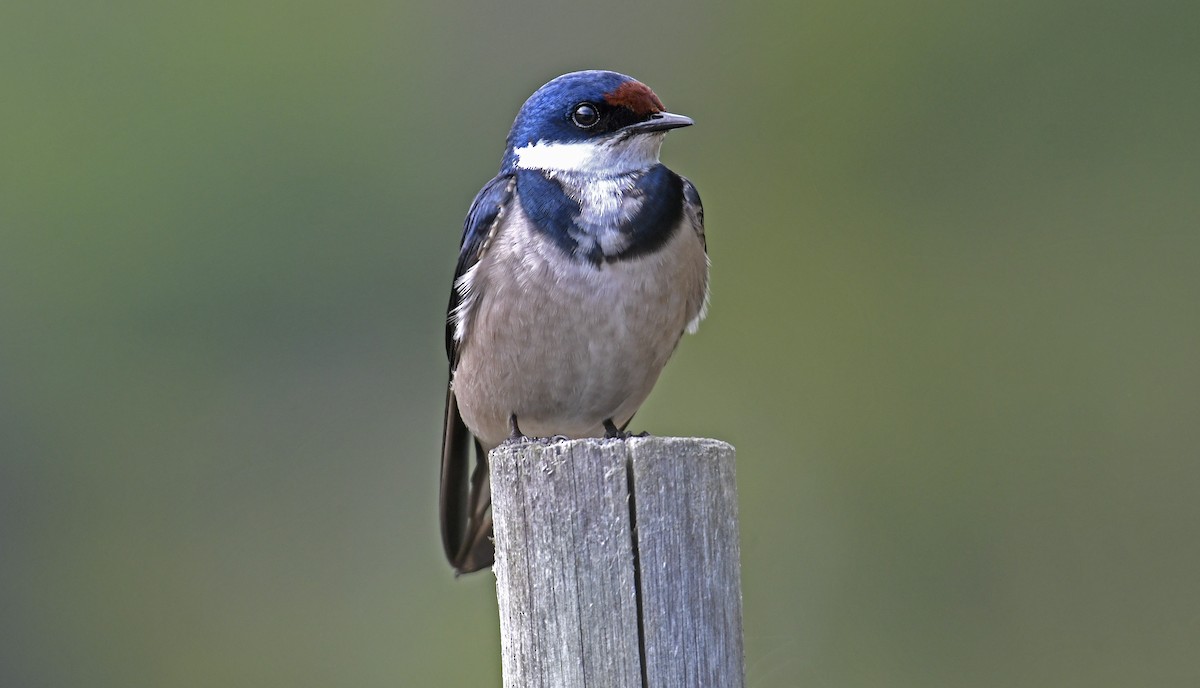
[612, 432]
[515, 436]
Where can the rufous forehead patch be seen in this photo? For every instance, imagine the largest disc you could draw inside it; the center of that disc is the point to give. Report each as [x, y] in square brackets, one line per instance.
[637, 97]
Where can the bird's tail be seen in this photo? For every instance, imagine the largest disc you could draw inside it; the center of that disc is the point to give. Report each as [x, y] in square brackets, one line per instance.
[465, 501]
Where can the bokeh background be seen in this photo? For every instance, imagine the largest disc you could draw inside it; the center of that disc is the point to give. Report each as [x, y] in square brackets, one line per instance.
[955, 331]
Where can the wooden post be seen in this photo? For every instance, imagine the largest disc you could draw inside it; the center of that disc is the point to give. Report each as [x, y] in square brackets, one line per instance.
[617, 563]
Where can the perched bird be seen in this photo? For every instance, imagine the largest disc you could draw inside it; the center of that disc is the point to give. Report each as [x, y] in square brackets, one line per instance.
[582, 264]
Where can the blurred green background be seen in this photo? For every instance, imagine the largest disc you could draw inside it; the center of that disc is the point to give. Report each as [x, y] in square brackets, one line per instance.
[955, 331]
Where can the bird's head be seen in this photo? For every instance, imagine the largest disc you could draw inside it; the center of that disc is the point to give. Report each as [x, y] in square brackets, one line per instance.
[594, 123]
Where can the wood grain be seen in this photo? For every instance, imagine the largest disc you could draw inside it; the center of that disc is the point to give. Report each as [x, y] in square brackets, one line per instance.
[617, 563]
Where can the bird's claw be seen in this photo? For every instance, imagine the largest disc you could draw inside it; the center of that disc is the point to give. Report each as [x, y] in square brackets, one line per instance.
[612, 432]
[515, 436]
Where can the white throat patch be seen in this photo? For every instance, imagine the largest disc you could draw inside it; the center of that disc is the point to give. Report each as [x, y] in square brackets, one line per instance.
[610, 156]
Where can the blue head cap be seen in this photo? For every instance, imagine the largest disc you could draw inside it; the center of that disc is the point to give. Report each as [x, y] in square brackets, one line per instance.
[587, 106]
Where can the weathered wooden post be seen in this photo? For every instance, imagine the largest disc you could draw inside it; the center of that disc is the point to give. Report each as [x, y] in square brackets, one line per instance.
[617, 563]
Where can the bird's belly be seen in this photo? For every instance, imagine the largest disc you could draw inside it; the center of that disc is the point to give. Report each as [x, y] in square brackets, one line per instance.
[565, 345]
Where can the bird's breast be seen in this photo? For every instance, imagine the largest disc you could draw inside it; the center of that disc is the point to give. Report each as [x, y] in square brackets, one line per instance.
[566, 343]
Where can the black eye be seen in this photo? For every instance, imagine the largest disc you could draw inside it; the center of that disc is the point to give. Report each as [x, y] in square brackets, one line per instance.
[585, 115]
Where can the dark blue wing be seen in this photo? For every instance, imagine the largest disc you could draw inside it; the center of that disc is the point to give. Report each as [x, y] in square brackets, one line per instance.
[465, 498]
[691, 197]
[484, 209]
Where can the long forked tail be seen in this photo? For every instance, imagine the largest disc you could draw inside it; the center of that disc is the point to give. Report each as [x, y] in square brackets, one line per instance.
[466, 496]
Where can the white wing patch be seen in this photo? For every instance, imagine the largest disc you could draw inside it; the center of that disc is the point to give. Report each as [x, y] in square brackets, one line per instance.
[465, 284]
[694, 324]
[461, 315]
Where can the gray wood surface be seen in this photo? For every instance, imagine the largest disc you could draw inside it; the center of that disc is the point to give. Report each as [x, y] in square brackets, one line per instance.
[617, 563]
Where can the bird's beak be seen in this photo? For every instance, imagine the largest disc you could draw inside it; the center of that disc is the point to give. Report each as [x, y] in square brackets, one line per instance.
[659, 122]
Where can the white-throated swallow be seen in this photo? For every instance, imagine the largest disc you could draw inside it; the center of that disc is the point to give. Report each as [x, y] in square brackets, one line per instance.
[582, 264]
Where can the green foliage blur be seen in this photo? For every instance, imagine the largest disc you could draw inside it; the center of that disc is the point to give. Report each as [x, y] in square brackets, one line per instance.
[955, 331]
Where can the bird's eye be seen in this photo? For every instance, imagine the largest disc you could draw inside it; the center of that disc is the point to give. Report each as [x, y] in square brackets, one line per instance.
[585, 115]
